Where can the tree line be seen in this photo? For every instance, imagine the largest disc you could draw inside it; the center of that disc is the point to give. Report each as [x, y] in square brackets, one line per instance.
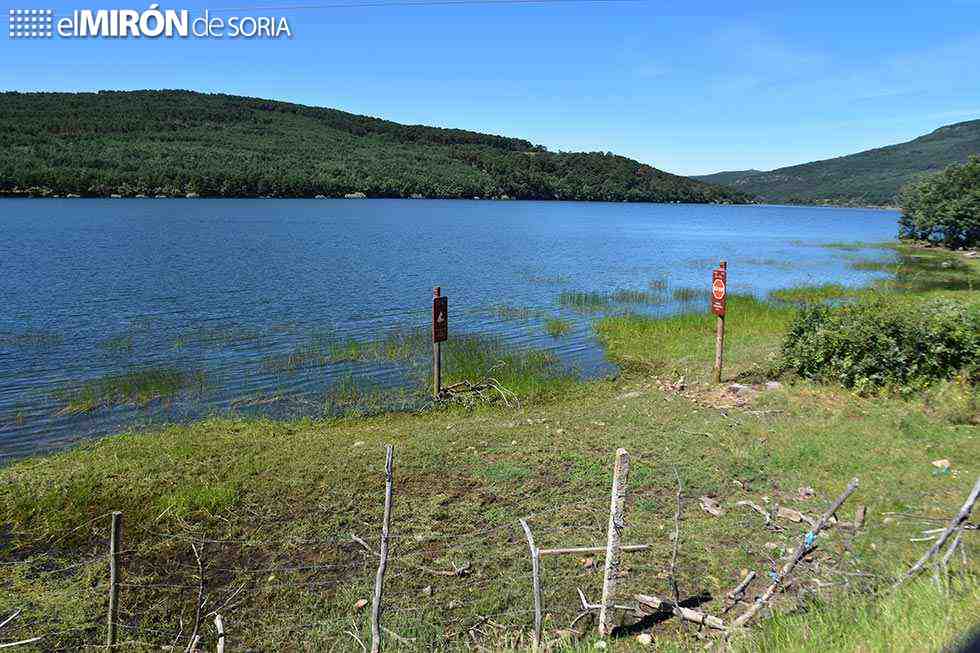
[175, 143]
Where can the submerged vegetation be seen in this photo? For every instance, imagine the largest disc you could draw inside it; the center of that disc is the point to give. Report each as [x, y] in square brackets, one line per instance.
[557, 327]
[137, 387]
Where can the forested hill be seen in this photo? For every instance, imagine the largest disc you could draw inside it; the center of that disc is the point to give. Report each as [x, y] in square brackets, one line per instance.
[870, 178]
[180, 142]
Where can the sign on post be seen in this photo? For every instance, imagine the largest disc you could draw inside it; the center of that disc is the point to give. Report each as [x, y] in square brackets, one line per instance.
[719, 290]
[440, 333]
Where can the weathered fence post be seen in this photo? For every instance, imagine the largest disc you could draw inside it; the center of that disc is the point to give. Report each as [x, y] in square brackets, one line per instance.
[383, 561]
[617, 523]
[115, 543]
[535, 584]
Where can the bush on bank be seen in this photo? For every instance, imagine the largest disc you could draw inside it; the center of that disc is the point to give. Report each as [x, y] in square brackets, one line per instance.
[883, 343]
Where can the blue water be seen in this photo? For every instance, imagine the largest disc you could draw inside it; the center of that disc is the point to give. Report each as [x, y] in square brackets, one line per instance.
[222, 284]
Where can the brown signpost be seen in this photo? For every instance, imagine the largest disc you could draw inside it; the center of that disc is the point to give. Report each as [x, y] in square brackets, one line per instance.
[719, 293]
[440, 333]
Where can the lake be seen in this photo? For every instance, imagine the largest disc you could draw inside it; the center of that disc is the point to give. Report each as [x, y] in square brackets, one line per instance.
[230, 289]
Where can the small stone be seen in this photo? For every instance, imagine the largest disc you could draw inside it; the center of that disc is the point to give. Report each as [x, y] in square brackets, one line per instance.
[427, 590]
[773, 385]
[711, 506]
[804, 493]
[942, 463]
[513, 442]
[600, 645]
[360, 604]
[359, 443]
[645, 639]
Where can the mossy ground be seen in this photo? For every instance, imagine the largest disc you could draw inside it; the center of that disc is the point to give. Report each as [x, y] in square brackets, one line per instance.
[272, 506]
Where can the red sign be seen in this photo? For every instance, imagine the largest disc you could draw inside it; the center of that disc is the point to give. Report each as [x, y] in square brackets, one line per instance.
[440, 319]
[719, 277]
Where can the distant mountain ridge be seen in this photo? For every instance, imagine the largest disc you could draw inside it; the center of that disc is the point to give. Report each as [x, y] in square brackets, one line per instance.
[870, 178]
[176, 143]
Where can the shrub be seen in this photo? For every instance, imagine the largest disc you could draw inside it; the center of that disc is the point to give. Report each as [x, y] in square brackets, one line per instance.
[878, 343]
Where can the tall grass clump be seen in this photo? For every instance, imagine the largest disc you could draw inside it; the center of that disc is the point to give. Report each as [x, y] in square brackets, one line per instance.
[525, 372]
[557, 327]
[138, 387]
[583, 301]
[638, 297]
[685, 294]
[684, 343]
[806, 294]
[883, 342]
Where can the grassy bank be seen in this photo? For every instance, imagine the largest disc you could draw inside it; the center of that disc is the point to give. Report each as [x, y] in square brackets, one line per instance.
[270, 507]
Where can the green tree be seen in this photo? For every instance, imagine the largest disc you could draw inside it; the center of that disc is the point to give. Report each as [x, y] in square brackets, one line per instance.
[945, 207]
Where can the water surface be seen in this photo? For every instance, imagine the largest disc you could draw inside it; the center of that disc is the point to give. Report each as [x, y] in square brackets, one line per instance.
[97, 287]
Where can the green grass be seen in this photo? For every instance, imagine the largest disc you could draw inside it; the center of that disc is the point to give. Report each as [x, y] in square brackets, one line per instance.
[682, 344]
[136, 387]
[809, 294]
[923, 616]
[638, 297]
[557, 327]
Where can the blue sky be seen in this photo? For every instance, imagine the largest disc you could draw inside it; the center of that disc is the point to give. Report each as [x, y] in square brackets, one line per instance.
[714, 86]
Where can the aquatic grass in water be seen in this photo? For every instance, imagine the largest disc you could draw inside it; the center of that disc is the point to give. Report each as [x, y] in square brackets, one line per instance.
[217, 336]
[516, 312]
[638, 297]
[806, 294]
[36, 339]
[138, 387]
[686, 294]
[118, 344]
[525, 372]
[557, 327]
[583, 301]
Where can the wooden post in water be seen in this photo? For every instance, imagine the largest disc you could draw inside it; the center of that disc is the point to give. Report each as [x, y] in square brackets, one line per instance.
[115, 543]
[617, 523]
[383, 561]
[719, 293]
[440, 332]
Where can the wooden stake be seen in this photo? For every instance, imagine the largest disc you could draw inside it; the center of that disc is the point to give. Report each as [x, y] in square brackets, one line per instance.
[219, 625]
[383, 562]
[115, 543]
[617, 523]
[535, 584]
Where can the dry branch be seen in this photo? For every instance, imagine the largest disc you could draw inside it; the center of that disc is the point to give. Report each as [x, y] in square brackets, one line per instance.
[954, 524]
[383, 561]
[809, 540]
[650, 604]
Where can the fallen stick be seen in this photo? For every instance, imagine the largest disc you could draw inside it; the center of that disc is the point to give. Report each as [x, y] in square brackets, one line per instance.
[591, 549]
[739, 591]
[759, 509]
[954, 524]
[650, 604]
[809, 540]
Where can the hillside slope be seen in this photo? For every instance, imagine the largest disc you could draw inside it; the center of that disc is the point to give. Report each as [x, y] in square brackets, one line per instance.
[872, 177]
[179, 142]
